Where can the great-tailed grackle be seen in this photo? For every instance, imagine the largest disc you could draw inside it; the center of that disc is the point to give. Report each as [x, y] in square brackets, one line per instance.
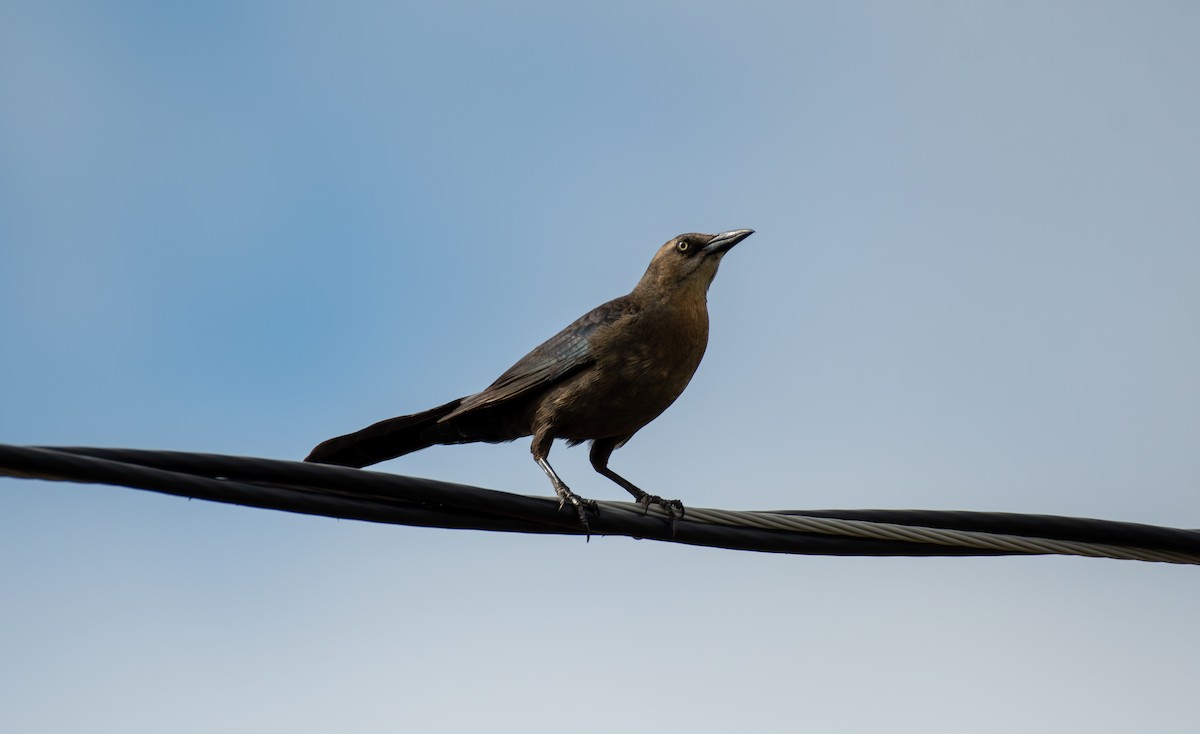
[600, 379]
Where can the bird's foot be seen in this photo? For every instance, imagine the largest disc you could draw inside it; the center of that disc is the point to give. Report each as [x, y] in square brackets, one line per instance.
[673, 508]
[580, 504]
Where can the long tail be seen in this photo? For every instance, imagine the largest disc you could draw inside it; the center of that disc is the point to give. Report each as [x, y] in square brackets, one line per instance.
[386, 439]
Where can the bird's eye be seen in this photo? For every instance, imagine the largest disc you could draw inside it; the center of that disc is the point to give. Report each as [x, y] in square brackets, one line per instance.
[683, 246]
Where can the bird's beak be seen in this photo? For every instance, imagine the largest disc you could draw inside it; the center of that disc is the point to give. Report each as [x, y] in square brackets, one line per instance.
[720, 243]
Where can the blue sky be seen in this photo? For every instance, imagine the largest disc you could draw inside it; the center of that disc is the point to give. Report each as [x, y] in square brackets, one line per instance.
[246, 227]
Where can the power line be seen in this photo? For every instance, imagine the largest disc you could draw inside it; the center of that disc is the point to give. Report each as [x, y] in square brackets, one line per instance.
[356, 494]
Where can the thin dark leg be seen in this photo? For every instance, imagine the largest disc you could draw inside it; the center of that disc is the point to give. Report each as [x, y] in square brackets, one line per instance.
[541, 453]
[601, 451]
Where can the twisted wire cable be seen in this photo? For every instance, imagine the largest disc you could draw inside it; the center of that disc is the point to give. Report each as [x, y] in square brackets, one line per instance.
[388, 498]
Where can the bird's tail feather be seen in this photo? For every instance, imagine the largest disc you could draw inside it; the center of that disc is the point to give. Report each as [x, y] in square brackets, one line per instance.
[384, 440]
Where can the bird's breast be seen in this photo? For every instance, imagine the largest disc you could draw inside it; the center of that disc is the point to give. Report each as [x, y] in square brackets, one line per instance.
[642, 365]
[657, 355]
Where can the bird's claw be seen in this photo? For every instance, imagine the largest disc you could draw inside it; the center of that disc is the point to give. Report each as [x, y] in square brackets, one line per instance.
[580, 504]
[673, 508]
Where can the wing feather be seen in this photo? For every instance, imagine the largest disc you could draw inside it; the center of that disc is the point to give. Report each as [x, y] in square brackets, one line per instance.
[554, 360]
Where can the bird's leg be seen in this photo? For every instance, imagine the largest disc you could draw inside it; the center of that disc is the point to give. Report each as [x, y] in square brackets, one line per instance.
[673, 508]
[541, 452]
[601, 451]
[565, 494]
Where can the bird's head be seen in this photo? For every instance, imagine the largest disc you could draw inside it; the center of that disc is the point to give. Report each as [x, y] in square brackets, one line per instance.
[690, 260]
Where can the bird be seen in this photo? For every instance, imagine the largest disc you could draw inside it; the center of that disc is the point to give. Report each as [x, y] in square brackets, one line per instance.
[601, 379]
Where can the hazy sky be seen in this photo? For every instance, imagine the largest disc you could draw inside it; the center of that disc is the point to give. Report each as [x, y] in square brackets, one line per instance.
[246, 227]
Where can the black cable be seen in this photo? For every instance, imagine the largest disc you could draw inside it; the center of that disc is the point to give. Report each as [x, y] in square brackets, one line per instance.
[387, 498]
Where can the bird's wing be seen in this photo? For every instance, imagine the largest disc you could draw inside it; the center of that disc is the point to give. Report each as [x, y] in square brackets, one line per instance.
[558, 357]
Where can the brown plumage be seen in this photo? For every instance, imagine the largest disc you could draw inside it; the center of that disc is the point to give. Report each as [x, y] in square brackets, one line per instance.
[600, 379]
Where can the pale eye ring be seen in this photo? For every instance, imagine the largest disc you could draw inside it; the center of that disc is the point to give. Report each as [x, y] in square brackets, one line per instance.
[683, 246]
